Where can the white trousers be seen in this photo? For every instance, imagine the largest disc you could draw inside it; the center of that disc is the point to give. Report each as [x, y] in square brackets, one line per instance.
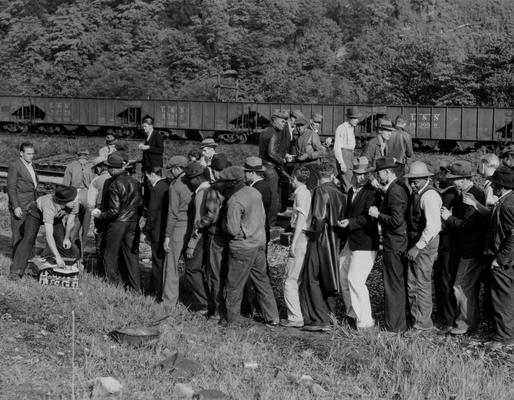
[292, 280]
[355, 267]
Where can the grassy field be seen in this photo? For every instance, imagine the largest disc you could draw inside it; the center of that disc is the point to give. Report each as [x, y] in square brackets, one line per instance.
[36, 345]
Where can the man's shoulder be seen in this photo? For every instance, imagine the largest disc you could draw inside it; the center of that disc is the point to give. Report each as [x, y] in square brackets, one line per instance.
[15, 164]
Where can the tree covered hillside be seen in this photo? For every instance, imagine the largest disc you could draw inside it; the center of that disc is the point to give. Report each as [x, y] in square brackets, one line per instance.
[377, 51]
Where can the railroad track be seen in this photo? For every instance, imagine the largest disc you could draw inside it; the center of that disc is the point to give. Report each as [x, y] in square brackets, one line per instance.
[47, 177]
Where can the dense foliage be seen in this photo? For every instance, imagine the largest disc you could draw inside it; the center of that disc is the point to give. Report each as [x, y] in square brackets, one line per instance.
[377, 51]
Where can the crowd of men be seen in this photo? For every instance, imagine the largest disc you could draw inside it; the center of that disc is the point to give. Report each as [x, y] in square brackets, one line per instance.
[218, 217]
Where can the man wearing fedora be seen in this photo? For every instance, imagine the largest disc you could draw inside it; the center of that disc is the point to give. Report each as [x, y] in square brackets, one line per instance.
[153, 149]
[254, 176]
[377, 147]
[499, 249]
[400, 143]
[361, 248]
[309, 151]
[294, 115]
[424, 225]
[299, 223]
[22, 181]
[121, 210]
[245, 224]
[468, 227]
[208, 147]
[344, 146]
[179, 224]
[48, 210]
[276, 127]
[507, 156]
[392, 217]
[109, 148]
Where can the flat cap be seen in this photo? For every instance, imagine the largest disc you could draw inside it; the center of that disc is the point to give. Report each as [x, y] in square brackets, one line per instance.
[234, 173]
[317, 118]
[177, 161]
[219, 162]
[209, 142]
[193, 169]
[284, 114]
[115, 160]
[297, 114]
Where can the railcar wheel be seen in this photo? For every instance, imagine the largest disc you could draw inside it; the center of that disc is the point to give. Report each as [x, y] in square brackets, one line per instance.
[243, 138]
[229, 138]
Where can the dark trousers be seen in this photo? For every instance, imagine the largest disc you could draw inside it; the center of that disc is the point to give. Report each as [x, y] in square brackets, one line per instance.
[121, 254]
[99, 251]
[158, 257]
[196, 279]
[466, 288]
[217, 264]
[25, 247]
[502, 296]
[244, 264]
[445, 269]
[272, 179]
[394, 291]
[16, 229]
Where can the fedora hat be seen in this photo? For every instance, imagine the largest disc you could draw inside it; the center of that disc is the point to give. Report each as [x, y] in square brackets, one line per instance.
[219, 162]
[64, 194]
[385, 163]
[254, 164]
[110, 139]
[361, 165]
[385, 125]
[209, 142]
[351, 113]
[507, 150]
[115, 160]
[147, 119]
[418, 169]
[460, 169]
[193, 169]
[503, 176]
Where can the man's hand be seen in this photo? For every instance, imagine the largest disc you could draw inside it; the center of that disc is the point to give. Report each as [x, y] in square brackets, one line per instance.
[373, 212]
[412, 253]
[494, 264]
[289, 157]
[470, 200]
[166, 244]
[66, 243]
[60, 262]
[445, 213]
[344, 223]
[18, 213]
[189, 253]
[96, 213]
[143, 147]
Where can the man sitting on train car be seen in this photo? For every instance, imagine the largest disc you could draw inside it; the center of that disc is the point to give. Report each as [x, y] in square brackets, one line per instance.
[278, 121]
[400, 143]
[22, 184]
[377, 147]
[109, 148]
[79, 174]
[153, 149]
[208, 151]
[49, 210]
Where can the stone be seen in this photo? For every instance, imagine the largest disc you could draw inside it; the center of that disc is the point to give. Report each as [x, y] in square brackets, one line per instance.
[211, 394]
[306, 380]
[317, 390]
[184, 391]
[106, 386]
[180, 367]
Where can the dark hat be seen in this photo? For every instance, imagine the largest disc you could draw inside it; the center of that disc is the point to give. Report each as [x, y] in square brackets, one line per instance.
[254, 164]
[233, 173]
[147, 120]
[460, 169]
[83, 152]
[219, 162]
[361, 165]
[351, 113]
[110, 139]
[284, 114]
[193, 169]
[503, 176]
[507, 150]
[209, 142]
[64, 194]
[418, 169]
[385, 163]
[317, 118]
[115, 160]
[385, 125]
[177, 161]
[301, 121]
[297, 114]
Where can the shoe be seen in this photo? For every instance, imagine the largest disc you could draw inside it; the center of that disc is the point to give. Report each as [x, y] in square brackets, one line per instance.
[291, 324]
[316, 328]
[458, 331]
[445, 330]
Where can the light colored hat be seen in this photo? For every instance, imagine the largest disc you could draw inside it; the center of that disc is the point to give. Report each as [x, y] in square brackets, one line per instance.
[254, 164]
[361, 165]
[209, 142]
[317, 118]
[418, 169]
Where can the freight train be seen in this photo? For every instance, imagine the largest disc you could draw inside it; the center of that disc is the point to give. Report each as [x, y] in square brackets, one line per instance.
[239, 122]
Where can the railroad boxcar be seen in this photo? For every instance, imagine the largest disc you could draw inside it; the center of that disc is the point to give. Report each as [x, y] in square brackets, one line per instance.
[239, 121]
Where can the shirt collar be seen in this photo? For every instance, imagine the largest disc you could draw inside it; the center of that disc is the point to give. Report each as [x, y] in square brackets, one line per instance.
[389, 184]
[202, 186]
[505, 194]
[25, 162]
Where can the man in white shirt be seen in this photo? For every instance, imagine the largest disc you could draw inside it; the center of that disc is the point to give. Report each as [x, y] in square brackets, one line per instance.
[298, 248]
[344, 145]
[424, 225]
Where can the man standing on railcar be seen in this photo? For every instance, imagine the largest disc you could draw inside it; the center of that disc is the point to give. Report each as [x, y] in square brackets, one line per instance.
[344, 146]
[22, 182]
[122, 207]
[278, 121]
[392, 217]
[153, 149]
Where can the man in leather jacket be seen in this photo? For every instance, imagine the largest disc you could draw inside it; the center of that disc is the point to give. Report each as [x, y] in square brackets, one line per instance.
[121, 213]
